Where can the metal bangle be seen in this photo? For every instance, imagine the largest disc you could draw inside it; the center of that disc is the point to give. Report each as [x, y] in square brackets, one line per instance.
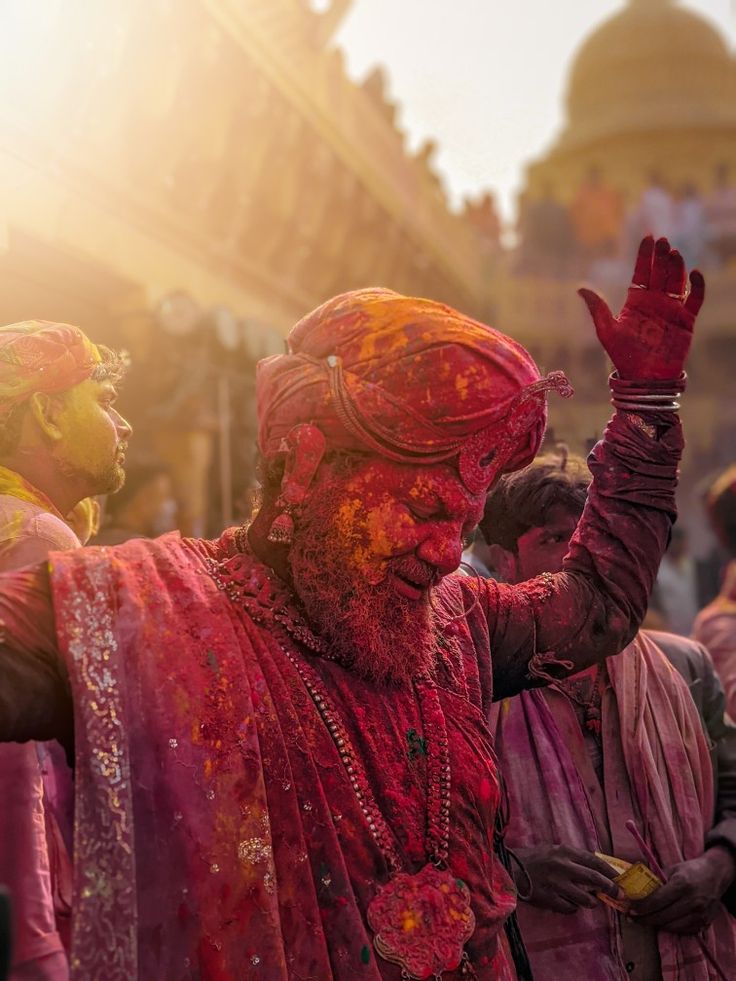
[648, 398]
[650, 384]
[638, 407]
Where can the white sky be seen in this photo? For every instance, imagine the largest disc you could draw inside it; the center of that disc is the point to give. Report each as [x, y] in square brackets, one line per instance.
[485, 78]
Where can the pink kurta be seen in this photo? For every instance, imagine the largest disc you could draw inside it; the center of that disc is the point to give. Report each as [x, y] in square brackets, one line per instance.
[656, 770]
[27, 535]
[715, 627]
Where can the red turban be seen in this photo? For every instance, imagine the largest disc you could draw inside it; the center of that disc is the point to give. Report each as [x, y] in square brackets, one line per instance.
[42, 356]
[409, 379]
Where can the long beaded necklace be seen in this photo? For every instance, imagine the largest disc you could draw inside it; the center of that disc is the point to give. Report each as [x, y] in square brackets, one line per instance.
[421, 921]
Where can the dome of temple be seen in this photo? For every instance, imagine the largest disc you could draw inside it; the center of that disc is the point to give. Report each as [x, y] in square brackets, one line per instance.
[654, 65]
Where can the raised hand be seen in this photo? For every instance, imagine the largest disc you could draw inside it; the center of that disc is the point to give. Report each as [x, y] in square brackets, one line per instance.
[651, 337]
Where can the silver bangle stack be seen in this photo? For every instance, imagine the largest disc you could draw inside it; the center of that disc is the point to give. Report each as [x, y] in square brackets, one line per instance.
[659, 395]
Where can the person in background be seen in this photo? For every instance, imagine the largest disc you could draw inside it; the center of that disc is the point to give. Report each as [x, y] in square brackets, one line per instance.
[597, 217]
[715, 626]
[689, 230]
[547, 239]
[61, 441]
[477, 556]
[144, 507]
[720, 217]
[655, 210]
[628, 739]
[676, 587]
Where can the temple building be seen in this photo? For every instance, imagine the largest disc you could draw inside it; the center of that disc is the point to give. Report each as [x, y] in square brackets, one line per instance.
[651, 98]
[185, 178]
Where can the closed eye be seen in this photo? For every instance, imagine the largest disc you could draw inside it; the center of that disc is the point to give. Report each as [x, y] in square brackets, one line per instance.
[422, 513]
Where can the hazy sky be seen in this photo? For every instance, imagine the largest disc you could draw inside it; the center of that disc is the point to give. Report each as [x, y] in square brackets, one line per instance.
[485, 78]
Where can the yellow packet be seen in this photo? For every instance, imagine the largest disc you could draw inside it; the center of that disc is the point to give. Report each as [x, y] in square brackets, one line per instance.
[636, 881]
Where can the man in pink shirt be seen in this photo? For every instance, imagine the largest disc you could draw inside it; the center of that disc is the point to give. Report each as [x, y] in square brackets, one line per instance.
[61, 441]
[715, 625]
[643, 738]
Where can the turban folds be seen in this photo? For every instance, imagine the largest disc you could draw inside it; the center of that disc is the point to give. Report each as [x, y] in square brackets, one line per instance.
[409, 379]
[42, 356]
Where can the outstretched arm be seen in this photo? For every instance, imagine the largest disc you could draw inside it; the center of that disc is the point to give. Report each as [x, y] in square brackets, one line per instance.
[558, 624]
[35, 700]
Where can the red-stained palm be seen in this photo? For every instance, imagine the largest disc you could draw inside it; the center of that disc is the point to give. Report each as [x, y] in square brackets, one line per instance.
[651, 337]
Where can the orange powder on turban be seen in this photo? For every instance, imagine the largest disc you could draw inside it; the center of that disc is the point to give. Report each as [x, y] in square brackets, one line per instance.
[407, 378]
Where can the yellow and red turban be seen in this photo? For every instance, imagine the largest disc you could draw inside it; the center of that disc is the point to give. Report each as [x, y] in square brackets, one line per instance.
[42, 356]
[409, 379]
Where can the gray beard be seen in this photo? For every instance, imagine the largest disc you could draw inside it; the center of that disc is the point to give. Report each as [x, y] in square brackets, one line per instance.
[370, 629]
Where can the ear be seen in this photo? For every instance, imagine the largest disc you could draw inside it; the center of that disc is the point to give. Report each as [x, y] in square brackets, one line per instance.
[46, 413]
[304, 447]
[503, 562]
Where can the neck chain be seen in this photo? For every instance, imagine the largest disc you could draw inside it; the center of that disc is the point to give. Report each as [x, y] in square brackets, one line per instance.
[421, 920]
[438, 766]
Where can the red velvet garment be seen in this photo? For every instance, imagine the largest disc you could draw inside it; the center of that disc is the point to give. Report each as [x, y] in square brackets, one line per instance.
[238, 798]
[217, 833]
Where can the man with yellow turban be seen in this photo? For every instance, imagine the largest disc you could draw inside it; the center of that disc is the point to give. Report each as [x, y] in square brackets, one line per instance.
[61, 441]
[284, 767]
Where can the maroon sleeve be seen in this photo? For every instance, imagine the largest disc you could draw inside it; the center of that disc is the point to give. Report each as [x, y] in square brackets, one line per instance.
[35, 699]
[558, 624]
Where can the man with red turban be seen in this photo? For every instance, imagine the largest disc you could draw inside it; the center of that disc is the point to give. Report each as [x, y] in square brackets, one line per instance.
[60, 441]
[283, 762]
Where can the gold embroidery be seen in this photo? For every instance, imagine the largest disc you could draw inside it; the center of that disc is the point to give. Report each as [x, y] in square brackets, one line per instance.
[104, 941]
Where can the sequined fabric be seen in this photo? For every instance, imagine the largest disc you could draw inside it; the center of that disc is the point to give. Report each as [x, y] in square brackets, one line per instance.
[104, 930]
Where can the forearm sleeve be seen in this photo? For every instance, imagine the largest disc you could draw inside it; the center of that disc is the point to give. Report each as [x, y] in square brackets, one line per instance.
[558, 624]
[35, 699]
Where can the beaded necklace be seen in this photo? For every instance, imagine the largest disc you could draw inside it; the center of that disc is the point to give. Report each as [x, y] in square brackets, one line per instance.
[422, 920]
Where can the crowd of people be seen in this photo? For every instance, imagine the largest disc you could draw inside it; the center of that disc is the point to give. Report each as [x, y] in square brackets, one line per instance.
[308, 748]
[596, 230]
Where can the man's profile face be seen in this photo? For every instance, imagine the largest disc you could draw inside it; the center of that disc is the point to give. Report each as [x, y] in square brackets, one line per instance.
[370, 545]
[94, 437]
[542, 549]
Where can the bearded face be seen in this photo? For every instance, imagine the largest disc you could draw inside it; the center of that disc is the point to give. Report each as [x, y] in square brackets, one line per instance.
[91, 453]
[370, 546]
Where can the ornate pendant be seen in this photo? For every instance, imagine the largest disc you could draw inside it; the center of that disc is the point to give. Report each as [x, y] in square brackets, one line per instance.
[422, 922]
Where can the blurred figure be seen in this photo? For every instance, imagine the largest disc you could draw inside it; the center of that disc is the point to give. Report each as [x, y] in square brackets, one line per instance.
[482, 215]
[478, 556]
[720, 217]
[715, 626]
[689, 225]
[676, 588]
[597, 217]
[625, 739]
[547, 239]
[144, 508]
[654, 213]
[61, 441]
